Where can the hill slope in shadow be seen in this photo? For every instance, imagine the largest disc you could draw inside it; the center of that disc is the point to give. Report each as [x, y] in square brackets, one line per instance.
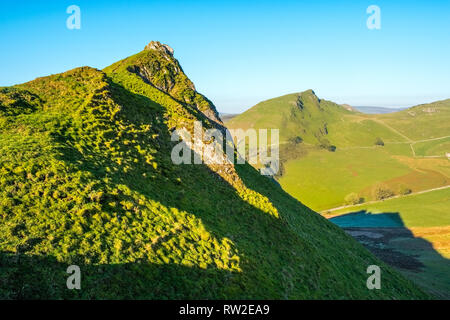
[386, 235]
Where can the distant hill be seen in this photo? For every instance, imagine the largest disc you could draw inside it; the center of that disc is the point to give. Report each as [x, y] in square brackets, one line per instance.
[86, 178]
[301, 115]
[425, 121]
[377, 110]
[227, 116]
[305, 116]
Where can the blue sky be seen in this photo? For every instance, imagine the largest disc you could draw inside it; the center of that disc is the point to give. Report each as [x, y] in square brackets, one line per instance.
[238, 53]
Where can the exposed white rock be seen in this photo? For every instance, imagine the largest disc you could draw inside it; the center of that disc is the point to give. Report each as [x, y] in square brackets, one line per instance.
[156, 45]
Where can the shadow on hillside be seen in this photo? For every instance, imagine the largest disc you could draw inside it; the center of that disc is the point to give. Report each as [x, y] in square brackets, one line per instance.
[43, 277]
[386, 235]
[366, 219]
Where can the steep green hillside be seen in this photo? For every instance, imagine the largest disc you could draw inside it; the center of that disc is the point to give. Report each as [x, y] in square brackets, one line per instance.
[410, 153]
[86, 178]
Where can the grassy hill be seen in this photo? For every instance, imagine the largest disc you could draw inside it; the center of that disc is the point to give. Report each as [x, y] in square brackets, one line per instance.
[299, 115]
[86, 178]
[411, 155]
[430, 120]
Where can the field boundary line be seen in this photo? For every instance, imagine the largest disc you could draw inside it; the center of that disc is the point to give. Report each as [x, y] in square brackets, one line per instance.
[394, 130]
[376, 201]
[432, 139]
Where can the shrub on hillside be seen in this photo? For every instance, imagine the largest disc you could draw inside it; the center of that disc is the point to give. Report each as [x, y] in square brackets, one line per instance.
[325, 144]
[353, 198]
[379, 142]
[404, 190]
[381, 192]
[296, 140]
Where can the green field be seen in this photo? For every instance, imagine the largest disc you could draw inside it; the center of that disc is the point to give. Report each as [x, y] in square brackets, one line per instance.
[429, 209]
[322, 179]
[433, 148]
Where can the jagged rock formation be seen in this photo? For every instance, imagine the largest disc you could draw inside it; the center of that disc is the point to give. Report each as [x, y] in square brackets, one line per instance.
[159, 68]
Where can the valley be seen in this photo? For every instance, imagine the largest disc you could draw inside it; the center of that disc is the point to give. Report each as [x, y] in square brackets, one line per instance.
[407, 160]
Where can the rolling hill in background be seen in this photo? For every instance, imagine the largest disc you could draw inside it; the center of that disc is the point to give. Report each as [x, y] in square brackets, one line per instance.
[227, 116]
[86, 178]
[329, 151]
[376, 110]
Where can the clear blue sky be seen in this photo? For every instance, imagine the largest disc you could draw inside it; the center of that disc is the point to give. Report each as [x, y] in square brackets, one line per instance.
[240, 53]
